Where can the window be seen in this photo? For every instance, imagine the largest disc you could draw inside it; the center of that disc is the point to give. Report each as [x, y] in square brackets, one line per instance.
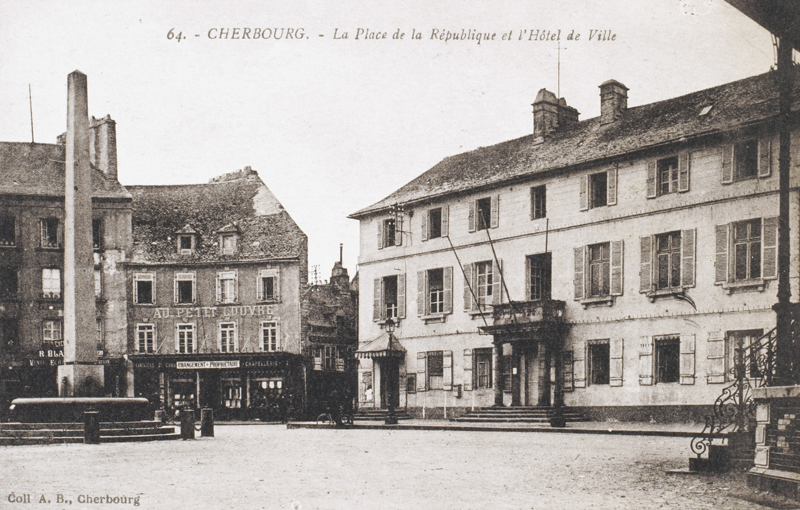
[184, 288]
[746, 253]
[484, 283]
[598, 272]
[186, 244]
[745, 154]
[227, 337]
[599, 269]
[8, 283]
[9, 335]
[667, 263]
[483, 368]
[270, 340]
[99, 336]
[226, 287]
[51, 283]
[435, 291]
[668, 351]
[390, 232]
[268, 285]
[8, 231]
[737, 342]
[411, 383]
[668, 260]
[143, 288]
[49, 233]
[145, 338]
[228, 244]
[389, 295]
[599, 362]
[435, 223]
[185, 344]
[538, 276]
[508, 370]
[98, 283]
[538, 202]
[667, 175]
[97, 234]
[598, 190]
[435, 370]
[51, 330]
[747, 250]
[484, 213]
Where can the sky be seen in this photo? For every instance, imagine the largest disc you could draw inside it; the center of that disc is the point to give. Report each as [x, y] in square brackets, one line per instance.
[334, 124]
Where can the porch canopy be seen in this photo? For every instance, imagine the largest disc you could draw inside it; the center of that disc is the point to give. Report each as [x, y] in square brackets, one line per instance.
[382, 347]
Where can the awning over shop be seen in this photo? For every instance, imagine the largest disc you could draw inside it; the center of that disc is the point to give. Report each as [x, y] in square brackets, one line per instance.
[382, 347]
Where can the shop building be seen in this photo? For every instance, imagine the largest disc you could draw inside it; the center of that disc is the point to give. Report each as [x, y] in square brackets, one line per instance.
[613, 264]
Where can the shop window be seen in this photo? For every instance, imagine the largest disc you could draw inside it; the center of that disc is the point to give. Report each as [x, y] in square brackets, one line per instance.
[8, 231]
[538, 202]
[231, 394]
[8, 283]
[145, 338]
[51, 330]
[144, 288]
[97, 234]
[184, 288]
[599, 362]
[226, 287]
[270, 337]
[538, 276]
[483, 368]
[48, 228]
[186, 339]
[435, 370]
[51, 283]
[668, 351]
[268, 285]
[227, 337]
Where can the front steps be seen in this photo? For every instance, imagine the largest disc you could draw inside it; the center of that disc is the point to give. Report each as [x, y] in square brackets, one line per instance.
[379, 414]
[52, 433]
[518, 414]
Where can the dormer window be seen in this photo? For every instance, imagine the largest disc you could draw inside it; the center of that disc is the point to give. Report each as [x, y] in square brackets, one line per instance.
[185, 244]
[228, 244]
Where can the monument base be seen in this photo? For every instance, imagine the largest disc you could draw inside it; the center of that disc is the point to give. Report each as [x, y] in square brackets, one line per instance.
[80, 380]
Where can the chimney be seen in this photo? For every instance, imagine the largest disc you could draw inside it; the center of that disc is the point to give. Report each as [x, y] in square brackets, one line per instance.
[613, 101]
[103, 146]
[549, 113]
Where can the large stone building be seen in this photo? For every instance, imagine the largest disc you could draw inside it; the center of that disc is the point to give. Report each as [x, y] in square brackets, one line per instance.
[614, 262]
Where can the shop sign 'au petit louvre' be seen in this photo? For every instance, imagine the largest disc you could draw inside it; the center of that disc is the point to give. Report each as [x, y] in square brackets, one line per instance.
[265, 311]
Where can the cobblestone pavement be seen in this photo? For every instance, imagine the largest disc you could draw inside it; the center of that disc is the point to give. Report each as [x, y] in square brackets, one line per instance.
[270, 467]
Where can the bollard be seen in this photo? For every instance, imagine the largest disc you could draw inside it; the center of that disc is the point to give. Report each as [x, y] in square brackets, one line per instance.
[207, 422]
[187, 423]
[160, 415]
[91, 427]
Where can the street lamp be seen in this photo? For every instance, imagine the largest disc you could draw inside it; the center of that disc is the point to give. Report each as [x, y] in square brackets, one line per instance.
[391, 367]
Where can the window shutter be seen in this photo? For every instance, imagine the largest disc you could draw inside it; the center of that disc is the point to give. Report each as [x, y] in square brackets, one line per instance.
[533, 203]
[769, 265]
[611, 187]
[236, 286]
[764, 156]
[727, 163]
[422, 362]
[651, 179]
[424, 221]
[398, 230]
[616, 268]
[377, 300]
[646, 264]
[401, 296]
[276, 284]
[584, 193]
[716, 358]
[447, 370]
[566, 372]
[278, 339]
[579, 363]
[616, 349]
[579, 272]
[495, 211]
[445, 221]
[646, 361]
[687, 359]
[721, 262]
[219, 289]
[527, 278]
[688, 249]
[421, 284]
[684, 162]
[472, 206]
[468, 369]
[380, 234]
[497, 278]
[318, 359]
[448, 289]
[468, 304]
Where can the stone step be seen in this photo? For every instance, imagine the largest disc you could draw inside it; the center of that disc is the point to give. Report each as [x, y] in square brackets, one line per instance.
[11, 441]
[78, 426]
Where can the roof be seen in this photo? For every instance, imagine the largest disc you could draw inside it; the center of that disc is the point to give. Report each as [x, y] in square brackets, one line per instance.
[382, 347]
[38, 169]
[266, 230]
[742, 102]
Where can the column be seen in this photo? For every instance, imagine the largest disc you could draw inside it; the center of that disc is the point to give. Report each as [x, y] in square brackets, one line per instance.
[544, 374]
[497, 375]
[515, 382]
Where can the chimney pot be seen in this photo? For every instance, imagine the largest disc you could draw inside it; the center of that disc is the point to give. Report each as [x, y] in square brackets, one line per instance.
[613, 101]
[549, 113]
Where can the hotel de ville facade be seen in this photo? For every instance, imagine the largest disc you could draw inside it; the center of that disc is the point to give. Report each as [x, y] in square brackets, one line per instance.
[610, 264]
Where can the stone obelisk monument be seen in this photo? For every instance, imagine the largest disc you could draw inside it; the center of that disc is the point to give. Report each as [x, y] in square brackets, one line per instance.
[80, 375]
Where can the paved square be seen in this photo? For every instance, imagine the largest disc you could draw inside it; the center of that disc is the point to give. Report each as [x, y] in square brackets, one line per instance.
[270, 467]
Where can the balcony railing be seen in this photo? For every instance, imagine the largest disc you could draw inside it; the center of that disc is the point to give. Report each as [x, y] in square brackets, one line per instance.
[528, 312]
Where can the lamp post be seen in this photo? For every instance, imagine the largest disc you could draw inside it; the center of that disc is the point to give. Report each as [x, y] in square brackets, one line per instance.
[391, 370]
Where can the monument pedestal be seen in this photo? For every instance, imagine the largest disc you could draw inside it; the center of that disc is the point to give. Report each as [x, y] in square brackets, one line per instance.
[80, 380]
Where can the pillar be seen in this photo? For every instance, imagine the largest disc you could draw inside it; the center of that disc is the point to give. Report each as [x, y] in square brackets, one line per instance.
[515, 382]
[497, 375]
[544, 374]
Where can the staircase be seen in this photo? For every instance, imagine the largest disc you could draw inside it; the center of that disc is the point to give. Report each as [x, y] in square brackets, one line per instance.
[379, 414]
[52, 433]
[519, 414]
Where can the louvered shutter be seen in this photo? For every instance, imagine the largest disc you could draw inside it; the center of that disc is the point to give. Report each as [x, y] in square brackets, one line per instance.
[716, 358]
[527, 278]
[646, 361]
[448, 289]
[688, 250]
[398, 230]
[687, 359]
[497, 277]
[276, 283]
[721, 261]
[566, 371]
[380, 234]
[727, 163]
[468, 301]
[401, 296]
[421, 285]
[495, 211]
[769, 257]
[445, 221]
[468, 369]
[580, 269]
[652, 191]
[684, 162]
[472, 207]
[579, 363]
[611, 187]
[616, 348]
[584, 193]
[764, 156]
[447, 370]
[219, 289]
[424, 220]
[646, 263]
[422, 362]
[616, 268]
[377, 300]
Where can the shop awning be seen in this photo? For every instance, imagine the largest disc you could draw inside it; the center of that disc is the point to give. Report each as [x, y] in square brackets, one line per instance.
[382, 347]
